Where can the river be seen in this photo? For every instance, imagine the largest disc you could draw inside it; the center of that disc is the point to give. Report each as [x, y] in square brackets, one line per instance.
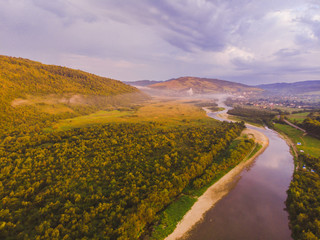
[254, 207]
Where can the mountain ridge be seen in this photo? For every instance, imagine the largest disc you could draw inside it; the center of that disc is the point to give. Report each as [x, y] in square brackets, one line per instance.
[203, 86]
[300, 87]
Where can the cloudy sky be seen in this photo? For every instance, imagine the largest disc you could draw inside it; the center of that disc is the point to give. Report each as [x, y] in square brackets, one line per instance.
[246, 41]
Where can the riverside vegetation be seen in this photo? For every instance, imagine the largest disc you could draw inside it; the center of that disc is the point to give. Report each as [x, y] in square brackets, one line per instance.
[82, 158]
[303, 201]
[253, 115]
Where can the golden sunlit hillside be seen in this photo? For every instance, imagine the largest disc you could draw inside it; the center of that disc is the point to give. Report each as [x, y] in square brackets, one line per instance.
[32, 93]
[22, 78]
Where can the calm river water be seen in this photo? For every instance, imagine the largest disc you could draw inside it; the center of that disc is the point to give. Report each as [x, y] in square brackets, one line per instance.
[254, 208]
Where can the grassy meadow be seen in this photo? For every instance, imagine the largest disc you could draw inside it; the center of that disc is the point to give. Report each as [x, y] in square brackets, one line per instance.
[169, 112]
[298, 117]
[309, 144]
[91, 119]
[286, 109]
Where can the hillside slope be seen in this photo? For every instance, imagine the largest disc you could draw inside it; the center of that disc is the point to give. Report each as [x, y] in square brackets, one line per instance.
[303, 87]
[202, 86]
[20, 77]
[33, 93]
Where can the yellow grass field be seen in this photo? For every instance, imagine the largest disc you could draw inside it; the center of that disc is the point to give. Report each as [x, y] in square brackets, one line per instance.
[169, 112]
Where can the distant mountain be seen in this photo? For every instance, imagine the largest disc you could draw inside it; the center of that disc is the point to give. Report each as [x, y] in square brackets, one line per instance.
[304, 87]
[195, 85]
[142, 83]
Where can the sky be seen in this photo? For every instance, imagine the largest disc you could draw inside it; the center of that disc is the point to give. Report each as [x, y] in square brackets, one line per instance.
[246, 41]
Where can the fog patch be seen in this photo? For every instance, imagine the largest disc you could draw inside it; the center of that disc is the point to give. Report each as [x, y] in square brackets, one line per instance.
[82, 100]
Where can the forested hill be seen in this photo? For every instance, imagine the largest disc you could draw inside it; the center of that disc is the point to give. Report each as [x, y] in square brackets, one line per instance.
[203, 86]
[34, 95]
[20, 77]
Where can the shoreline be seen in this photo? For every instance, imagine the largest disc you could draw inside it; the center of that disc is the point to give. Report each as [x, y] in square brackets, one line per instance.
[290, 143]
[217, 191]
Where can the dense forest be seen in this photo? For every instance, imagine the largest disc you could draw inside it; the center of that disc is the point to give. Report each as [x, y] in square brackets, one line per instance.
[238, 150]
[260, 116]
[106, 181]
[303, 203]
[102, 182]
[312, 124]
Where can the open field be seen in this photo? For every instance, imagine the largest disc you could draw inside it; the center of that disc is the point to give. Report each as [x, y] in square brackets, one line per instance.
[309, 144]
[286, 109]
[170, 112]
[87, 120]
[297, 117]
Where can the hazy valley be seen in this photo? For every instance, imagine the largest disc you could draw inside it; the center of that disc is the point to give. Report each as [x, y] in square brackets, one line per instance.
[84, 156]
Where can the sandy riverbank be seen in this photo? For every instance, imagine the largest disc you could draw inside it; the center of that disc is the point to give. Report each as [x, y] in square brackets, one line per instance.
[216, 191]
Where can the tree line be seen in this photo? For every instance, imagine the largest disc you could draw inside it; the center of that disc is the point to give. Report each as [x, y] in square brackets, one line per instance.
[303, 202]
[260, 116]
[312, 124]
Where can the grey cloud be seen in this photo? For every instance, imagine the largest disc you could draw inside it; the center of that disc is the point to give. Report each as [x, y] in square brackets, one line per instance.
[182, 23]
[57, 7]
[314, 26]
[206, 25]
[310, 19]
[297, 69]
[287, 52]
[66, 11]
[270, 75]
[242, 64]
[160, 35]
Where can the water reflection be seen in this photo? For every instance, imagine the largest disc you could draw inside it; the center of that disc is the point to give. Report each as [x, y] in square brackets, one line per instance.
[254, 208]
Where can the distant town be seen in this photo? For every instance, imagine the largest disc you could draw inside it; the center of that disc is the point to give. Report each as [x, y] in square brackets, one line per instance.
[273, 102]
